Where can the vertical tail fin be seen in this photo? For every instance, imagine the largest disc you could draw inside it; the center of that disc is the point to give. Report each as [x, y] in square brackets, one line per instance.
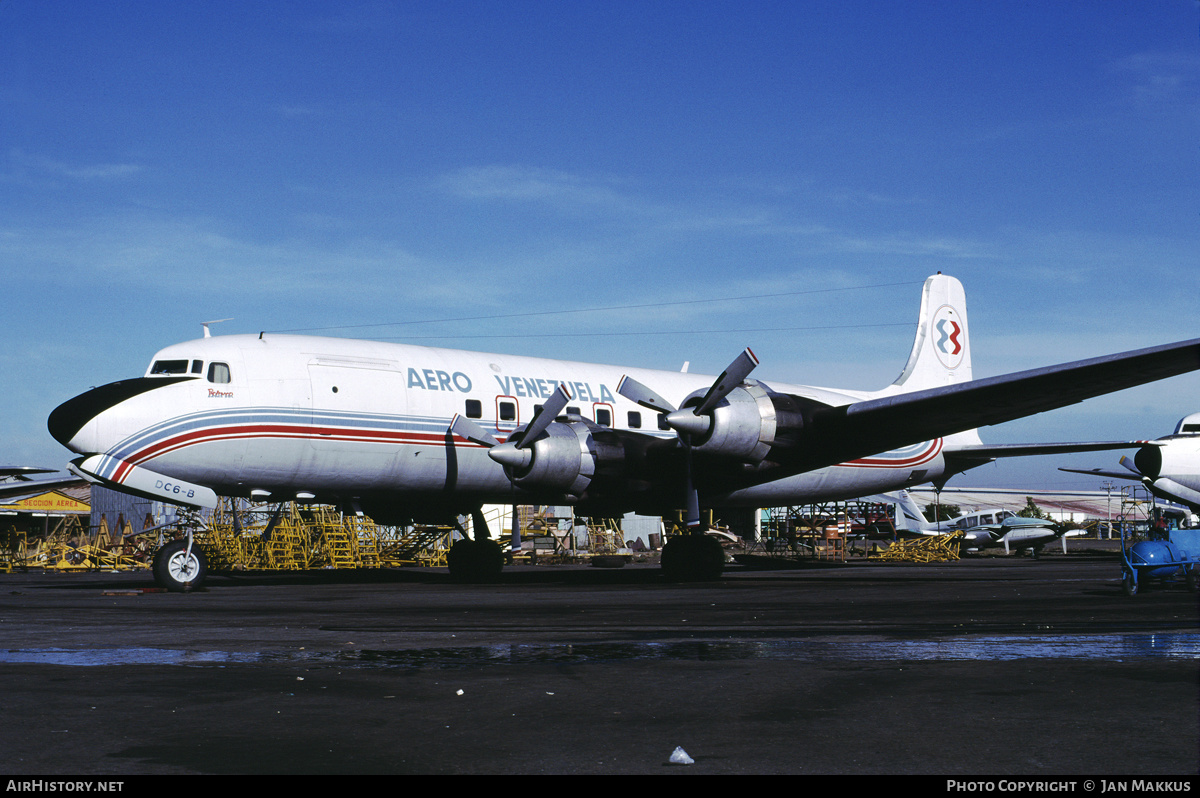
[941, 353]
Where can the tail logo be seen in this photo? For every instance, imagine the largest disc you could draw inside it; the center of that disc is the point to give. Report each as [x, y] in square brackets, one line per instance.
[948, 341]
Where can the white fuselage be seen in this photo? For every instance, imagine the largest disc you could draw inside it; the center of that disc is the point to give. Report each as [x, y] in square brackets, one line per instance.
[281, 416]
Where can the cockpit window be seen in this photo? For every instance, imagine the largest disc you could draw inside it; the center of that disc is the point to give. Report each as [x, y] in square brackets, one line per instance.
[169, 367]
[219, 372]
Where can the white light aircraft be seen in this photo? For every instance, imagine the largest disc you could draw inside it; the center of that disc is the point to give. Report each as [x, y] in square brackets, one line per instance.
[1169, 466]
[405, 432]
[1015, 532]
[985, 529]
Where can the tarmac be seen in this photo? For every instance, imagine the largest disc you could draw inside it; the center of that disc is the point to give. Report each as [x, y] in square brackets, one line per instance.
[987, 666]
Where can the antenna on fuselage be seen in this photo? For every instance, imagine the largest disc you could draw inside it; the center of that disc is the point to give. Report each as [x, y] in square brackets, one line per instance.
[205, 324]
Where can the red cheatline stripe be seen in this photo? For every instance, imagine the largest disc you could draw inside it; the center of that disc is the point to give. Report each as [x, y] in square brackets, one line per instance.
[924, 457]
[297, 432]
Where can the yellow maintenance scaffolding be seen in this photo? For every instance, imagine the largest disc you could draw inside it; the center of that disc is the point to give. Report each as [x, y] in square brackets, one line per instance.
[292, 537]
[234, 536]
[934, 548]
[70, 546]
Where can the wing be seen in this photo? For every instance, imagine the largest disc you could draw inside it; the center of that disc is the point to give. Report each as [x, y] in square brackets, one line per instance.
[33, 487]
[879, 425]
[962, 458]
[1101, 472]
[22, 472]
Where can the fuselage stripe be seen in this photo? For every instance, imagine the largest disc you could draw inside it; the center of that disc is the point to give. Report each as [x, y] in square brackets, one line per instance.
[147, 445]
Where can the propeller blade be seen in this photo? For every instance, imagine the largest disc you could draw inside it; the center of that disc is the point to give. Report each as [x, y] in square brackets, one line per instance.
[464, 427]
[691, 518]
[542, 419]
[731, 378]
[634, 391]
[517, 455]
[1125, 461]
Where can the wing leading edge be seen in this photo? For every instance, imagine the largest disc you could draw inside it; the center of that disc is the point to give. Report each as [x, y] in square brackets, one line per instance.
[840, 434]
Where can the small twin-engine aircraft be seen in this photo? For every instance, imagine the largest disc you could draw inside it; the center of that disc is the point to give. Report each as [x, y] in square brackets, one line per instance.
[1169, 466]
[984, 529]
[1015, 532]
[414, 433]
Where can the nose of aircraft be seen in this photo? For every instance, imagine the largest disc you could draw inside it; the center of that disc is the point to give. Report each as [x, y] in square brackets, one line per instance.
[71, 423]
[1149, 460]
[67, 419]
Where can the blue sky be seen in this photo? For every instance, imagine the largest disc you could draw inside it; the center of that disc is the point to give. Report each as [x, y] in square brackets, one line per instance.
[299, 165]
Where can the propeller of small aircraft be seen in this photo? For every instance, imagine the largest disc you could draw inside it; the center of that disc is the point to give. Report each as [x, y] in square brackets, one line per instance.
[693, 422]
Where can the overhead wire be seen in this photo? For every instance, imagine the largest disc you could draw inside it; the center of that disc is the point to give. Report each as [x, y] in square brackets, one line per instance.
[610, 308]
[645, 332]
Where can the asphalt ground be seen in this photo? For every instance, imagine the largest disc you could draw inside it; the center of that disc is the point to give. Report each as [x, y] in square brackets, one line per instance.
[984, 667]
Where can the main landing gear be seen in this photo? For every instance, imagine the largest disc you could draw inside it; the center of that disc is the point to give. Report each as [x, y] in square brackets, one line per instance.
[694, 557]
[475, 559]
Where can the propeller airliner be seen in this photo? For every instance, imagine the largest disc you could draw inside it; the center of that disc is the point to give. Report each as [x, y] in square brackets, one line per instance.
[406, 433]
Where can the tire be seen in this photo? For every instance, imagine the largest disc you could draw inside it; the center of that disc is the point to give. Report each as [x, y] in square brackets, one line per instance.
[1129, 583]
[176, 571]
[692, 558]
[475, 560]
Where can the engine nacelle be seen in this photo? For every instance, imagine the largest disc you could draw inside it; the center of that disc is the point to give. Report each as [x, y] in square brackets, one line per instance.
[566, 458]
[749, 423]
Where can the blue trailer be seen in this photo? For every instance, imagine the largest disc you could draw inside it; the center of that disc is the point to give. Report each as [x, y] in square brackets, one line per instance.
[1167, 555]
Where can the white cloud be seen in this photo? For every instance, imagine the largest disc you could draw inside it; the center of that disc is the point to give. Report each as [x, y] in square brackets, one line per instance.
[22, 161]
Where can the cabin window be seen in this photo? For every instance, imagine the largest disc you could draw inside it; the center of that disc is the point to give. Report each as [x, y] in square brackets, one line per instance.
[635, 419]
[662, 423]
[169, 367]
[219, 373]
[508, 411]
[604, 416]
[474, 408]
[197, 366]
[573, 411]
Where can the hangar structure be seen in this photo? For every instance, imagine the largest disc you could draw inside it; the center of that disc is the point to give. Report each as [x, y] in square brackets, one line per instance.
[1063, 506]
[35, 508]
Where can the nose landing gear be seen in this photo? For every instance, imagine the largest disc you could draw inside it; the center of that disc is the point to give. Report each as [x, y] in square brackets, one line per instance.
[180, 566]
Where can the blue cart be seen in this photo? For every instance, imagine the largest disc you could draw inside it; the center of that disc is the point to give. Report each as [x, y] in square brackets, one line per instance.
[1167, 556]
